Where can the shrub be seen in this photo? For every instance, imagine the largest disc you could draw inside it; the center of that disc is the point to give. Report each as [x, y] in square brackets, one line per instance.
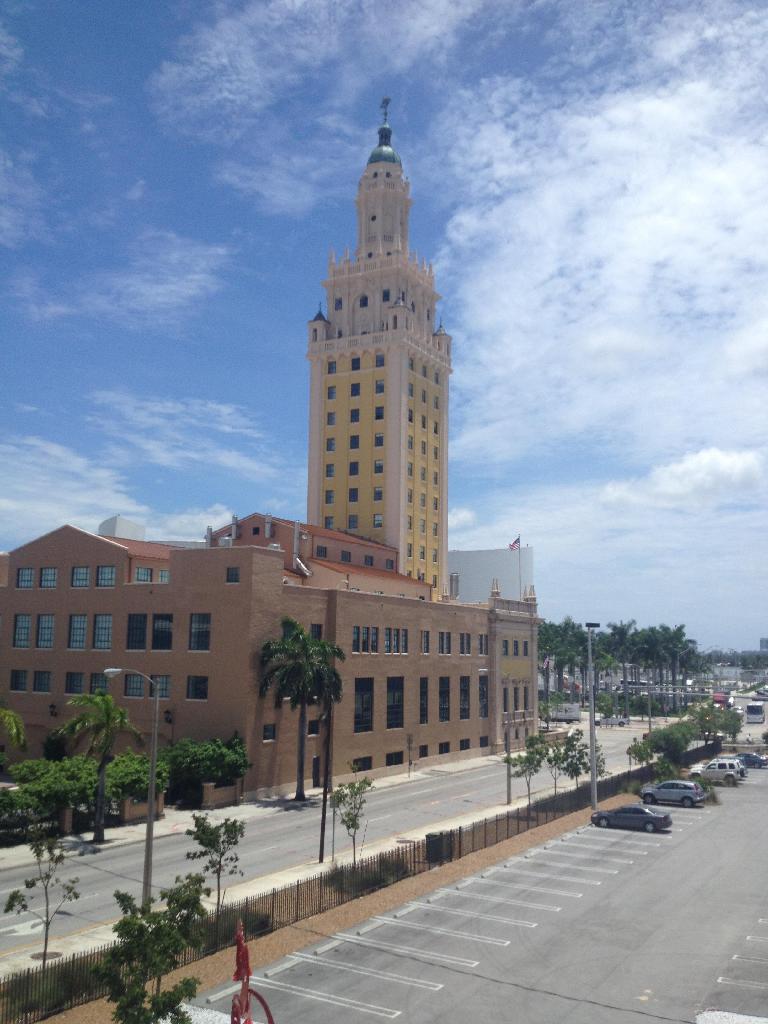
[52, 785]
[190, 764]
[128, 776]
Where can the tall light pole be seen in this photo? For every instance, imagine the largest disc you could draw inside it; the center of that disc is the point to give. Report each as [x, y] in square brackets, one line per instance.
[154, 689]
[592, 745]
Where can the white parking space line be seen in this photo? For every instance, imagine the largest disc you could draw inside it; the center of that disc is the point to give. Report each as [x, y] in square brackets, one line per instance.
[500, 899]
[575, 867]
[749, 959]
[757, 938]
[531, 888]
[762, 920]
[590, 856]
[470, 936]
[613, 837]
[581, 845]
[324, 997]
[565, 878]
[475, 916]
[450, 961]
[371, 972]
[742, 984]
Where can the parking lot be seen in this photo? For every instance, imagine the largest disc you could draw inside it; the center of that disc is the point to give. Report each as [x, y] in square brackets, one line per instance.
[595, 926]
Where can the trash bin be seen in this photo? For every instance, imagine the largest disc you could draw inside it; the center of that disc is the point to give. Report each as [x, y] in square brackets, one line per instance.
[438, 847]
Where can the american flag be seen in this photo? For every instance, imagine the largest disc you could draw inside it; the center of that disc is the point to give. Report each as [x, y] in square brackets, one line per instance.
[515, 545]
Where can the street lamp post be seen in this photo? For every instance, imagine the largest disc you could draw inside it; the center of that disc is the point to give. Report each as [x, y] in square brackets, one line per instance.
[592, 745]
[154, 689]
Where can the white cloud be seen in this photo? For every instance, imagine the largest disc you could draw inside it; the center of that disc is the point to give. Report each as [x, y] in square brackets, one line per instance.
[20, 202]
[136, 191]
[461, 518]
[187, 525]
[708, 476]
[10, 52]
[165, 277]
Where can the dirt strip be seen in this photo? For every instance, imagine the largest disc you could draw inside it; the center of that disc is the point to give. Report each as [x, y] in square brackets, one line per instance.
[217, 969]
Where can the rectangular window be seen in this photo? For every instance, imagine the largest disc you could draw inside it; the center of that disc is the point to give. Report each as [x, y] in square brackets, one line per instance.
[162, 632]
[464, 744]
[269, 732]
[337, 303]
[409, 469]
[410, 442]
[379, 412]
[515, 647]
[354, 468]
[393, 758]
[517, 698]
[74, 682]
[378, 466]
[163, 684]
[423, 700]
[423, 750]
[404, 641]
[330, 470]
[78, 632]
[143, 574]
[423, 395]
[105, 575]
[354, 441]
[354, 390]
[328, 522]
[354, 415]
[379, 387]
[98, 682]
[355, 361]
[378, 493]
[363, 705]
[362, 764]
[525, 648]
[197, 687]
[200, 631]
[18, 680]
[368, 560]
[483, 741]
[102, 632]
[255, 531]
[25, 579]
[482, 643]
[136, 637]
[505, 699]
[374, 639]
[316, 630]
[378, 440]
[464, 697]
[233, 574]
[48, 578]
[365, 639]
[525, 698]
[384, 298]
[313, 727]
[321, 551]
[331, 392]
[163, 575]
[331, 366]
[390, 564]
[425, 641]
[395, 702]
[482, 697]
[45, 627]
[443, 642]
[378, 520]
[444, 699]
[133, 685]
[81, 576]
[22, 630]
[41, 682]
[355, 639]
[444, 748]
[330, 419]
[353, 494]
[395, 640]
[330, 444]
[505, 648]
[387, 639]
[346, 556]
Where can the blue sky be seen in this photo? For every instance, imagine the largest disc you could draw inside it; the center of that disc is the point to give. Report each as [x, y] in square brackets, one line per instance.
[590, 178]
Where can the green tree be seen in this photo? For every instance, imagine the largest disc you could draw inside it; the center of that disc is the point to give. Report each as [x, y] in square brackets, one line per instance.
[49, 856]
[298, 668]
[528, 764]
[217, 849]
[605, 704]
[640, 751]
[575, 755]
[100, 723]
[673, 741]
[150, 944]
[128, 776]
[349, 800]
[554, 762]
[53, 785]
[706, 719]
[13, 727]
[547, 707]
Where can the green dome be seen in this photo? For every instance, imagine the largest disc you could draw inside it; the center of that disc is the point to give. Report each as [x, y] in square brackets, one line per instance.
[383, 153]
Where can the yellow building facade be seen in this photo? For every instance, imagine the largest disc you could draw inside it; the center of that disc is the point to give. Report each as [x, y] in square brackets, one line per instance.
[379, 385]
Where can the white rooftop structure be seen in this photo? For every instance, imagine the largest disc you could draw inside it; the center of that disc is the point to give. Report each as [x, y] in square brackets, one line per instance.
[478, 569]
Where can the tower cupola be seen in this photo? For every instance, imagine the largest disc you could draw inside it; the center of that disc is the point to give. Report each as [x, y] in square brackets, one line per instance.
[384, 153]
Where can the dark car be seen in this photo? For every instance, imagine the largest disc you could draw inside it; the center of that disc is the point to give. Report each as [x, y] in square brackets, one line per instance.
[633, 816]
[752, 760]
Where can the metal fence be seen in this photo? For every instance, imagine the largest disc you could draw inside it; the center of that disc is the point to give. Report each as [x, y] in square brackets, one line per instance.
[37, 993]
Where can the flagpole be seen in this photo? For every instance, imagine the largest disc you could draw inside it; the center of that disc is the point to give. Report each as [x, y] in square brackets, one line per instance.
[520, 572]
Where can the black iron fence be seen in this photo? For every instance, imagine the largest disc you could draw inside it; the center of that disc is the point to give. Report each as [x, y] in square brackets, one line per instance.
[35, 994]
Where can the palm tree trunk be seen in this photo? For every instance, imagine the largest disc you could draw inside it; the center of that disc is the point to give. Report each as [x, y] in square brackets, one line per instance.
[625, 681]
[301, 748]
[99, 810]
[326, 777]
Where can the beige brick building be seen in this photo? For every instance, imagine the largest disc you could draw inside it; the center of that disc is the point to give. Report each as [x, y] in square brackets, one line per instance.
[422, 679]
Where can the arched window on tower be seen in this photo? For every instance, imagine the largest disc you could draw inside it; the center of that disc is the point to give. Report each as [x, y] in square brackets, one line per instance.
[363, 301]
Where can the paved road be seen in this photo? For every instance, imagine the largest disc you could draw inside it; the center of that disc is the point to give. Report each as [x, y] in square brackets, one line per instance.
[600, 927]
[280, 835]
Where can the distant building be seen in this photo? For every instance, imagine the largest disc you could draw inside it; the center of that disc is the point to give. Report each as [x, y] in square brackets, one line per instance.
[764, 643]
[477, 570]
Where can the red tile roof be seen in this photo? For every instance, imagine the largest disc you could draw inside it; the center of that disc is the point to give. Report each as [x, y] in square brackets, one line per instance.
[143, 548]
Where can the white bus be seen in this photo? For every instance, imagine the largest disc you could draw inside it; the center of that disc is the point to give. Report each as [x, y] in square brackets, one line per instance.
[754, 714]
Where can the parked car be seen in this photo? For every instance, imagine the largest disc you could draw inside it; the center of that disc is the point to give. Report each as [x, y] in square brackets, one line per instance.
[723, 770]
[636, 816]
[754, 760]
[673, 791]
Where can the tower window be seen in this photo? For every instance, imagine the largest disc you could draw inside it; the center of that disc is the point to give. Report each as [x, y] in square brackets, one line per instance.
[353, 494]
[331, 366]
[354, 415]
[378, 494]
[354, 390]
[330, 469]
[352, 522]
[330, 444]
[330, 419]
[378, 440]
[378, 466]
[410, 442]
[379, 359]
[346, 556]
[355, 364]
[378, 520]
[354, 468]
[379, 413]
[368, 560]
[379, 387]
[331, 392]
[354, 440]
[373, 216]
[364, 298]
[385, 295]
[337, 304]
[329, 497]
[328, 522]
[410, 363]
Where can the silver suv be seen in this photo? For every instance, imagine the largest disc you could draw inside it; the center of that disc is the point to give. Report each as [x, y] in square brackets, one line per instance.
[674, 791]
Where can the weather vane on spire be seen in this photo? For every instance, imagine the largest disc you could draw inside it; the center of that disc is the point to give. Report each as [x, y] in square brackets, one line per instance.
[384, 108]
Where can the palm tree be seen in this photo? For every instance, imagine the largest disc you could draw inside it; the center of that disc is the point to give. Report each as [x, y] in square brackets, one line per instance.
[300, 669]
[329, 694]
[620, 642]
[13, 726]
[100, 722]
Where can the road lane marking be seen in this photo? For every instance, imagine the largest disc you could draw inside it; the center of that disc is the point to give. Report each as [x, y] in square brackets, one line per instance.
[500, 899]
[743, 984]
[323, 997]
[381, 818]
[471, 936]
[371, 972]
[532, 888]
[473, 914]
[575, 867]
[452, 961]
